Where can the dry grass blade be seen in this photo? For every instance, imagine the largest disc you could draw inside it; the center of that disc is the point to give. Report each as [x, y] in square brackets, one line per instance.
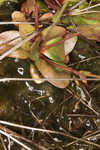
[7, 41]
[2, 141]
[15, 140]
[45, 79]
[90, 7]
[18, 45]
[86, 12]
[7, 23]
[18, 136]
[50, 131]
[78, 4]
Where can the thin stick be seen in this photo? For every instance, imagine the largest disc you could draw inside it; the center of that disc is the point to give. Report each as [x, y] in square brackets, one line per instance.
[81, 115]
[9, 40]
[18, 45]
[15, 140]
[85, 60]
[86, 12]
[36, 15]
[2, 141]
[82, 101]
[78, 4]
[16, 135]
[46, 79]
[7, 22]
[26, 127]
[90, 7]
[49, 131]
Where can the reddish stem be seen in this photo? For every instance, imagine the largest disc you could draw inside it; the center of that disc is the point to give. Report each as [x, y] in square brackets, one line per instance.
[42, 50]
[36, 16]
[51, 5]
[83, 77]
[58, 2]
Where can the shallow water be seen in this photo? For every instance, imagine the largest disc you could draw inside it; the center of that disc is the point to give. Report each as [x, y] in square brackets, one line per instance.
[74, 111]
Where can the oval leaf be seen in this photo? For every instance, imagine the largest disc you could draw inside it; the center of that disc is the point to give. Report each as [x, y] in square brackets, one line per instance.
[52, 32]
[55, 52]
[69, 45]
[20, 54]
[49, 72]
[25, 29]
[35, 74]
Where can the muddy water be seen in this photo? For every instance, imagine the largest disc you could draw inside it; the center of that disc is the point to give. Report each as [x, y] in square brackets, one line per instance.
[74, 111]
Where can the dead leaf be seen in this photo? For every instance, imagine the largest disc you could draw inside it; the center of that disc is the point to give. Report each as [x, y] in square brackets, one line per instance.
[20, 54]
[50, 72]
[35, 75]
[46, 17]
[25, 29]
[91, 32]
[11, 38]
[18, 16]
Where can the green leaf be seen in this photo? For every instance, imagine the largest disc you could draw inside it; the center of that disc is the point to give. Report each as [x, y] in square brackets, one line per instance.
[53, 32]
[27, 46]
[55, 52]
[25, 29]
[35, 50]
[42, 6]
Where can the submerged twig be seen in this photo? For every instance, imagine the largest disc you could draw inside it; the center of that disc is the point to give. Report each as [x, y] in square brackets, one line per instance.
[15, 140]
[83, 102]
[2, 141]
[85, 60]
[50, 131]
[18, 136]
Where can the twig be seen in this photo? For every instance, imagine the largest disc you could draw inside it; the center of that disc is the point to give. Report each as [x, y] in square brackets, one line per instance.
[2, 141]
[85, 137]
[18, 136]
[26, 127]
[33, 115]
[78, 4]
[15, 140]
[36, 15]
[18, 45]
[90, 7]
[81, 115]
[49, 131]
[83, 102]
[46, 79]
[9, 40]
[86, 12]
[82, 61]
[7, 22]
